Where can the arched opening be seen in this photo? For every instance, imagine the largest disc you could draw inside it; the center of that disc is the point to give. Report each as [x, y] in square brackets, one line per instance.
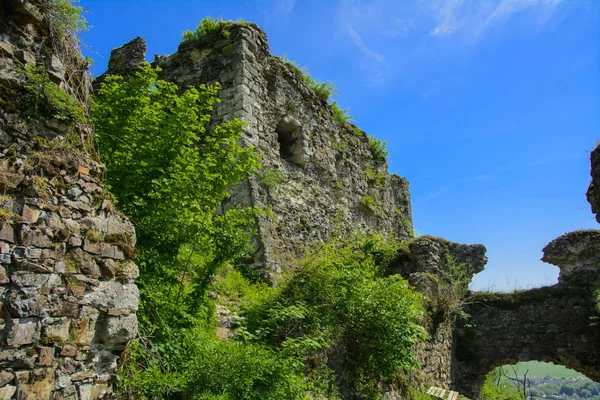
[535, 380]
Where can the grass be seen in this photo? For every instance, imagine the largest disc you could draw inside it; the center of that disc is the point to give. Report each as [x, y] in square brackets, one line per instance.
[539, 369]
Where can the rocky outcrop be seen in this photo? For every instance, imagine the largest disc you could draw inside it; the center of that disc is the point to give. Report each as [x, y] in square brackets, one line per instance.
[67, 286]
[593, 193]
[319, 178]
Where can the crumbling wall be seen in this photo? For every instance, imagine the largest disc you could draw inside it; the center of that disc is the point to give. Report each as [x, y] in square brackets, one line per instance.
[68, 298]
[441, 270]
[554, 324]
[319, 178]
[593, 193]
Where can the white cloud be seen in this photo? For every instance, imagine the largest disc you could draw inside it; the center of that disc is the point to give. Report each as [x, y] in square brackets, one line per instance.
[448, 18]
[284, 8]
[366, 50]
[474, 18]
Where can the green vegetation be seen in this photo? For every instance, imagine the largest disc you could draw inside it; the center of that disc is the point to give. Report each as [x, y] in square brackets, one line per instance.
[67, 18]
[169, 174]
[209, 28]
[537, 369]
[323, 90]
[368, 201]
[497, 388]
[45, 100]
[338, 309]
[340, 115]
[378, 178]
[378, 149]
[270, 178]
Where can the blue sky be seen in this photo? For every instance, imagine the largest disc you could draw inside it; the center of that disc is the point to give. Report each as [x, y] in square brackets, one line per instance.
[489, 108]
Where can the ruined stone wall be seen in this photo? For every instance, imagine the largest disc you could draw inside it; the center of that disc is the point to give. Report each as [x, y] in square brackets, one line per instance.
[593, 193]
[556, 324]
[68, 298]
[429, 264]
[325, 176]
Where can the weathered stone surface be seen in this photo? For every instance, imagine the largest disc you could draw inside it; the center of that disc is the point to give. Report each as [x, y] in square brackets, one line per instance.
[22, 331]
[5, 377]
[330, 183]
[577, 254]
[46, 356]
[56, 330]
[113, 295]
[593, 193]
[125, 60]
[437, 255]
[552, 324]
[39, 385]
[7, 392]
[51, 197]
[18, 358]
[117, 330]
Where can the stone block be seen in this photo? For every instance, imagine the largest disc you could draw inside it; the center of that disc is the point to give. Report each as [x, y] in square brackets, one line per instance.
[113, 295]
[7, 234]
[68, 351]
[55, 330]
[17, 358]
[30, 215]
[22, 331]
[39, 386]
[7, 392]
[3, 277]
[46, 356]
[84, 329]
[117, 330]
[5, 377]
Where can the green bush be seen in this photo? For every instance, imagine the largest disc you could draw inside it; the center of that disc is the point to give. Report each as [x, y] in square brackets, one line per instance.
[169, 174]
[270, 178]
[46, 100]
[208, 28]
[378, 149]
[67, 18]
[323, 90]
[339, 304]
[496, 388]
[340, 115]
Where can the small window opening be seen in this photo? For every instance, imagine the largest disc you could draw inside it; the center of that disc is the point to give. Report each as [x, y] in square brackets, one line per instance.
[287, 136]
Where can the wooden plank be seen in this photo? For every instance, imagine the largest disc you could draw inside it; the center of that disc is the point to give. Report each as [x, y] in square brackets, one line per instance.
[430, 390]
[442, 393]
[453, 395]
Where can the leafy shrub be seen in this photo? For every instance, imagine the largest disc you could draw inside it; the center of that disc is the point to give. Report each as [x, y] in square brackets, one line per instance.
[378, 149]
[46, 100]
[67, 18]
[339, 303]
[207, 29]
[496, 388]
[169, 174]
[270, 178]
[340, 115]
[323, 90]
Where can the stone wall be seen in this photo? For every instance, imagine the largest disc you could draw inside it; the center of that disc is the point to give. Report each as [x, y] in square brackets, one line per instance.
[556, 324]
[441, 270]
[322, 174]
[593, 193]
[68, 297]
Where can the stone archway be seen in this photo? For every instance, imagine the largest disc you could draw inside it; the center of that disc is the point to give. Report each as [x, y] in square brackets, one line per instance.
[554, 324]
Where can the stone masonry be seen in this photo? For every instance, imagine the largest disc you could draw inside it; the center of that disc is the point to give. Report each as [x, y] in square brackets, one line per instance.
[68, 298]
[318, 179]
